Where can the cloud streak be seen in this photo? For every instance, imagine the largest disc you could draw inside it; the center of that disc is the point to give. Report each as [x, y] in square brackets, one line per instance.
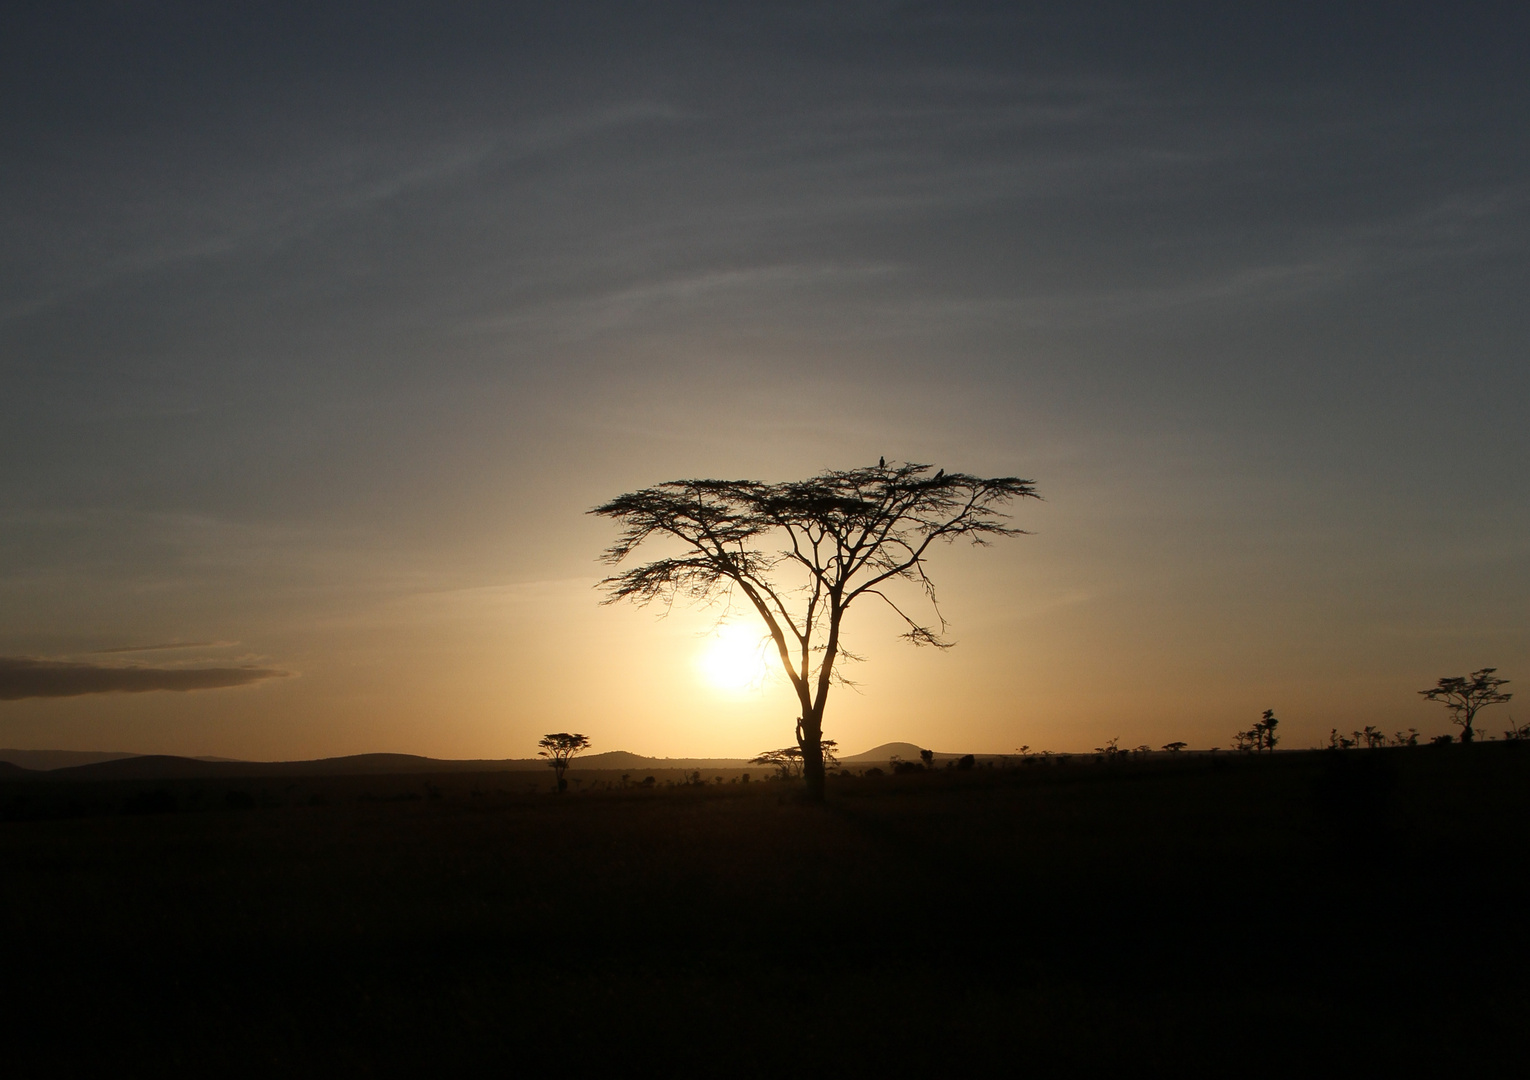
[22, 677]
[168, 646]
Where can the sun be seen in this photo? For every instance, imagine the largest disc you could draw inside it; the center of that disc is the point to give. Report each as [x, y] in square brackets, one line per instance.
[734, 657]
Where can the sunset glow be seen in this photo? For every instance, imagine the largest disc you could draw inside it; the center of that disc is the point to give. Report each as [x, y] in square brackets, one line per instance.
[319, 342]
[735, 658]
[886, 538]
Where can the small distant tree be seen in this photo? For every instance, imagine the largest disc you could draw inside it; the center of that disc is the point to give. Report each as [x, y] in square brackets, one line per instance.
[1339, 742]
[559, 749]
[1372, 737]
[928, 757]
[1406, 738]
[1175, 747]
[788, 761]
[1261, 736]
[1111, 748]
[1465, 696]
[1266, 729]
[1517, 732]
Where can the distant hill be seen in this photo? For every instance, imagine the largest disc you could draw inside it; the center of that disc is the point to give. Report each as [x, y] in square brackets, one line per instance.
[903, 751]
[88, 765]
[59, 759]
[622, 759]
[148, 767]
[165, 767]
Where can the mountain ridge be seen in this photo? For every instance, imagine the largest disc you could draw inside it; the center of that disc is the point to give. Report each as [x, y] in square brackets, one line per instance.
[68, 764]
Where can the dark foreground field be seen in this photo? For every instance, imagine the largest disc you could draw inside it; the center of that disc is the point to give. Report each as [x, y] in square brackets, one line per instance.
[1321, 911]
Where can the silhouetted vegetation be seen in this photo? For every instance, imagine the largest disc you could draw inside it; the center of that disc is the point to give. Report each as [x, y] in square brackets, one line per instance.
[788, 761]
[1465, 696]
[559, 749]
[843, 534]
[1261, 736]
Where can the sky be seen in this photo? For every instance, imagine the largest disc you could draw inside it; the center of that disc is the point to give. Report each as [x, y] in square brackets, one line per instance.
[322, 327]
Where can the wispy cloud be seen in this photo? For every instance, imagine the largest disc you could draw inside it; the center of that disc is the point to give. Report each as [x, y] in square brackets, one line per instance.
[168, 645]
[22, 677]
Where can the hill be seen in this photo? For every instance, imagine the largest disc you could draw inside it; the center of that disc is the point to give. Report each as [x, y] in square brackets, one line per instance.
[169, 767]
[91, 765]
[59, 759]
[880, 755]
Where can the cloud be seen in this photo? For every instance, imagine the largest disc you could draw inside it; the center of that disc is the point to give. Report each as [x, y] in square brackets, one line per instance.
[21, 677]
[168, 645]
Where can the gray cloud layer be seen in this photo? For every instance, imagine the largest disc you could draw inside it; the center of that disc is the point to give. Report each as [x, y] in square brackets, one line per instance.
[166, 647]
[21, 677]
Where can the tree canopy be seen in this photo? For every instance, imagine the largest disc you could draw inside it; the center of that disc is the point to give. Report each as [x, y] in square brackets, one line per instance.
[800, 553]
[559, 749]
[1465, 696]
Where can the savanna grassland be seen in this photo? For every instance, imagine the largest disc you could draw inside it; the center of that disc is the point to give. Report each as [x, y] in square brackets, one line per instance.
[1313, 909]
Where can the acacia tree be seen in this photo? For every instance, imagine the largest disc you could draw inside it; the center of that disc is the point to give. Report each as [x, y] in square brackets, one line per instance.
[559, 749]
[1465, 696]
[788, 761]
[801, 553]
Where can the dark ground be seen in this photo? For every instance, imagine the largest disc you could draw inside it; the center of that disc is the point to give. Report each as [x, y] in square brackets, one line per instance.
[1314, 911]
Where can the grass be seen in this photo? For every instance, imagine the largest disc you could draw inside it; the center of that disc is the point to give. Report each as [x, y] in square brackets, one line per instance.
[1299, 910]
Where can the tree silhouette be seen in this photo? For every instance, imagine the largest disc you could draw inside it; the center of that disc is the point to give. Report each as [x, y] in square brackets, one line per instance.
[1266, 730]
[1466, 696]
[559, 748]
[1261, 736]
[788, 762]
[801, 553]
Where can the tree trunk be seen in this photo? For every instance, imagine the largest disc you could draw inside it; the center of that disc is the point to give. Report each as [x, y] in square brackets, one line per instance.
[1467, 734]
[812, 758]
